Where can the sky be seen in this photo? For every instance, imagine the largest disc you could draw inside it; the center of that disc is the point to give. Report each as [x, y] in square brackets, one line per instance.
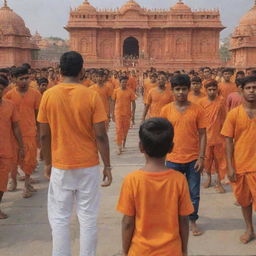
[48, 17]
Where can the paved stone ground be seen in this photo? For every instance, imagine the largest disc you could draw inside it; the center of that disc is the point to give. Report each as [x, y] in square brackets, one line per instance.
[27, 233]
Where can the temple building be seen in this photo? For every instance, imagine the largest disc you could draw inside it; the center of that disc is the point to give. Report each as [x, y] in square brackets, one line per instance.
[16, 46]
[178, 38]
[243, 41]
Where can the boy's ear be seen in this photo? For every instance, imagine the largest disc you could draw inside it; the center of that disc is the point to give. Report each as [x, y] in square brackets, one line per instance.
[141, 148]
[171, 148]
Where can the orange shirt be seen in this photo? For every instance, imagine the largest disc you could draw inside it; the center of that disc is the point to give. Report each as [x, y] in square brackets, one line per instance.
[26, 106]
[147, 88]
[132, 83]
[215, 113]
[71, 110]
[156, 221]
[116, 82]
[195, 98]
[87, 82]
[234, 100]
[123, 100]
[227, 88]
[8, 115]
[186, 125]
[105, 93]
[157, 99]
[239, 126]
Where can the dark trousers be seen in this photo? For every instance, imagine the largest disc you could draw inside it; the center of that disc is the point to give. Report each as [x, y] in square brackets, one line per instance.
[194, 180]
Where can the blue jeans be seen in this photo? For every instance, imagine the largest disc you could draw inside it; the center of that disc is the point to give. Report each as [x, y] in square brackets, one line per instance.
[194, 180]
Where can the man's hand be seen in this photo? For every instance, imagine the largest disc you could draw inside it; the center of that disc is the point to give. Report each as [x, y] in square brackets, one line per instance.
[231, 174]
[47, 171]
[107, 177]
[21, 153]
[199, 166]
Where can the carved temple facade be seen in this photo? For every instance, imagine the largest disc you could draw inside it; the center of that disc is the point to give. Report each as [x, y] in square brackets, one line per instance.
[178, 38]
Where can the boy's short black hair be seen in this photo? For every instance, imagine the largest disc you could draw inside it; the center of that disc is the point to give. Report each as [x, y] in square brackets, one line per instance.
[230, 70]
[211, 83]
[19, 71]
[5, 70]
[239, 82]
[71, 64]
[240, 73]
[180, 80]
[26, 65]
[156, 136]
[4, 81]
[42, 80]
[100, 72]
[123, 78]
[196, 79]
[247, 80]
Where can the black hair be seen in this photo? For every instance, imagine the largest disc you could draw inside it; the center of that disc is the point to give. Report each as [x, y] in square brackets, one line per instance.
[240, 73]
[230, 70]
[42, 81]
[4, 81]
[211, 83]
[247, 80]
[100, 72]
[181, 80]
[20, 71]
[253, 72]
[207, 68]
[156, 136]
[196, 79]
[4, 70]
[71, 64]
[239, 81]
[123, 78]
[26, 65]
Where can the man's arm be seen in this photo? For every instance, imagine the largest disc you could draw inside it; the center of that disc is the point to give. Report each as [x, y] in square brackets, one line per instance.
[128, 226]
[184, 233]
[17, 134]
[113, 110]
[133, 111]
[103, 147]
[199, 166]
[45, 139]
[229, 154]
[146, 108]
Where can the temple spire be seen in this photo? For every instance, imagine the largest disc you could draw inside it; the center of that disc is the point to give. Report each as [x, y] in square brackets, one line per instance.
[5, 3]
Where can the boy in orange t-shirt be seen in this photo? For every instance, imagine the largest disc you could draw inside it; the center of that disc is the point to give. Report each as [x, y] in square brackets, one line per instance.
[239, 130]
[188, 153]
[123, 101]
[151, 226]
[196, 90]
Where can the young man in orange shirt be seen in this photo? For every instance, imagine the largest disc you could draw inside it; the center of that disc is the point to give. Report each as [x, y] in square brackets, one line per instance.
[196, 90]
[148, 85]
[155, 200]
[27, 101]
[215, 111]
[123, 101]
[157, 98]
[239, 130]
[188, 154]
[71, 136]
[9, 128]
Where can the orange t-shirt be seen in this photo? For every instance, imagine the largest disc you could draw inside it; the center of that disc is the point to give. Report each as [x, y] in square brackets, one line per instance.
[123, 100]
[132, 83]
[71, 110]
[8, 115]
[156, 221]
[195, 98]
[186, 125]
[87, 82]
[242, 129]
[157, 99]
[105, 93]
[147, 88]
[234, 100]
[227, 88]
[26, 106]
[116, 82]
[215, 112]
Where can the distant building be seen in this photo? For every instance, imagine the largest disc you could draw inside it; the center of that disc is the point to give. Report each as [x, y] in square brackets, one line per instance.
[178, 38]
[243, 42]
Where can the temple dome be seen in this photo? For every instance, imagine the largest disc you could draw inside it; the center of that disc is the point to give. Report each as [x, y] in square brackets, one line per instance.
[130, 5]
[180, 6]
[11, 23]
[250, 17]
[86, 7]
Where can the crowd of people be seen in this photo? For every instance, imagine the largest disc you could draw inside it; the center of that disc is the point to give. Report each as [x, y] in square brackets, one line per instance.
[201, 121]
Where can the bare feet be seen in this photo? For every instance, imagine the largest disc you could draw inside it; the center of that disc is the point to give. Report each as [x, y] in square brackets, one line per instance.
[195, 230]
[119, 150]
[236, 203]
[12, 186]
[3, 216]
[208, 182]
[247, 237]
[31, 188]
[220, 189]
[26, 193]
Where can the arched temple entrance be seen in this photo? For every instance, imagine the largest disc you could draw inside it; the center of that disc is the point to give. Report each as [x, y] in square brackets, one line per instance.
[131, 47]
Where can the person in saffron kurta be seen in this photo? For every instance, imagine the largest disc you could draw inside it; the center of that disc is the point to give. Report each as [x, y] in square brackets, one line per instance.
[196, 92]
[188, 153]
[9, 128]
[148, 85]
[157, 98]
[215, 111]
[123, 112]
[239, 130]
[154, 200]
[27, 101]
[226, 87]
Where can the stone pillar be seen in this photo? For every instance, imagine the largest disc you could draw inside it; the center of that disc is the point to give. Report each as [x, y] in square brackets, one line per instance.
[117, 45]
[145, 43]
[166, 43]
